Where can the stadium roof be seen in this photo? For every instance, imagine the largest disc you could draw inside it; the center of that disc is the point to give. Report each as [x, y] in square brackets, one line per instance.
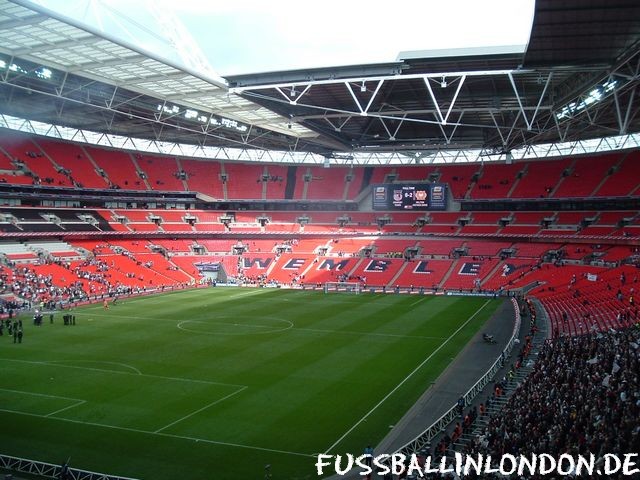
[576, 80]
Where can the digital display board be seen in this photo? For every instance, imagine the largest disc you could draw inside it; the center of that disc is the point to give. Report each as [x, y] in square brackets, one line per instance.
[410, 196]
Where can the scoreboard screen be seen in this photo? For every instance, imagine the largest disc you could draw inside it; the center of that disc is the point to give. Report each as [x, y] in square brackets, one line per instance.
[415, 196]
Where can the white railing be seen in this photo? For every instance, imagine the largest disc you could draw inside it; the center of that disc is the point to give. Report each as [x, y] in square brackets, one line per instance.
[423, 440]
[33, 467]
[122, 142]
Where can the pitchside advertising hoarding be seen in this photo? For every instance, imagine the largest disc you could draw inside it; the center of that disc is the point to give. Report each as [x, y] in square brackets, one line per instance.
[410, 196]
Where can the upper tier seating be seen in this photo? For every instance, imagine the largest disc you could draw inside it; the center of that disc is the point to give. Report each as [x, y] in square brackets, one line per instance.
[624, 181]
[276, 182]
[203, 176]
[57, 163]
[379, 174]
[118, 167]
[5, 161]
[355, 185]
[161, 172]
[36, 161]
[458, 177]
[414, 174]
[496, 180]
[586, 175]
[72, 158]
[325, 183]
[244, 181]
[540, 179]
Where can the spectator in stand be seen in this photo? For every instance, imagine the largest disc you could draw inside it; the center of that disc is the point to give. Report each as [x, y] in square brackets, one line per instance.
[582, 397]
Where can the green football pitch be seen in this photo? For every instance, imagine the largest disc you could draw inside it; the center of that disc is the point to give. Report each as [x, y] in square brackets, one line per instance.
[216, 383]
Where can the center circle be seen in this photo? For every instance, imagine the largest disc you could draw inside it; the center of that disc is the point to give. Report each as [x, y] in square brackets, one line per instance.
[236, 325]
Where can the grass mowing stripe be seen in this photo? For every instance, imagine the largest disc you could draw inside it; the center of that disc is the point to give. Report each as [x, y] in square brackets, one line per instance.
[37, 394]
[161, 434]
[337, 442]
[299, 329]
[307, 386]
[201, 409]
[417, 302]
[65, 408]
[365, 334]
[121, 372]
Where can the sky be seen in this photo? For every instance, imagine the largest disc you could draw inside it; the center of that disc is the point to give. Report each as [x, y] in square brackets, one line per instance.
[254, 36]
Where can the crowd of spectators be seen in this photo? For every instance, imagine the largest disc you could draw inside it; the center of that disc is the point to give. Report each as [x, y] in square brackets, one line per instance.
[582, 397]
[90, 278]
[25, 283]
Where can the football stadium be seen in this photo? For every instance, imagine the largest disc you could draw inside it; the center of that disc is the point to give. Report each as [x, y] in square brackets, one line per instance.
[361, 270]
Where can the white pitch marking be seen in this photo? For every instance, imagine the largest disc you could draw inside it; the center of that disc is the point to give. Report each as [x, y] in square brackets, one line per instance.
[131, 367]
[201, 409]
[244, 294]
[418, 301]
[366, 415]
[146, 432]
[76, 401]
[272, 328]
[66, 408]
[120, 372]
[40, 394]
[366, 334]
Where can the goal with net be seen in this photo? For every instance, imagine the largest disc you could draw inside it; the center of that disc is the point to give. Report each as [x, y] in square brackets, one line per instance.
[351, 287]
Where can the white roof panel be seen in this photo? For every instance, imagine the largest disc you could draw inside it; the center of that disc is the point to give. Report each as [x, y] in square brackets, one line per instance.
[33, 33]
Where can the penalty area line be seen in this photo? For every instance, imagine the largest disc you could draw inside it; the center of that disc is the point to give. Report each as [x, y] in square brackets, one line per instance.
[160, 434]
[404, 380]
[81, 402]
[215, 402]
[418, 301]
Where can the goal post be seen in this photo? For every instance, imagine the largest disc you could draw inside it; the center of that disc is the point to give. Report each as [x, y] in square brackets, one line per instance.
[351, 287]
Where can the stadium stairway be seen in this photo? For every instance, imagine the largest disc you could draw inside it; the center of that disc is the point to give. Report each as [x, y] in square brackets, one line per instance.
[510, 382]
[139, 170]
[516, 182]
[448, 274]
[398, 274]
[498, 266]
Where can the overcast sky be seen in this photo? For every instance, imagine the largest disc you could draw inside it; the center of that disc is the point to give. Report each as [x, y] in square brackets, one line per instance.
[254, 36]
